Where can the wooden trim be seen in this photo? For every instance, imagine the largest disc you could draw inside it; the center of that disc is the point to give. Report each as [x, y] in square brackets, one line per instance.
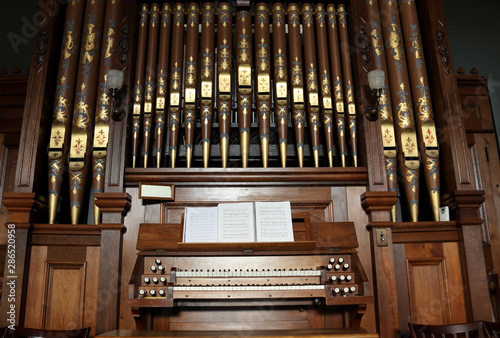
[425, 232]
[115, 203]
[378, 200]
[249, 176]
[23, 207]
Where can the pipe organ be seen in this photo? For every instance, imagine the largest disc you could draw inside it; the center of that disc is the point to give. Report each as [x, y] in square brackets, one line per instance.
[243, 101]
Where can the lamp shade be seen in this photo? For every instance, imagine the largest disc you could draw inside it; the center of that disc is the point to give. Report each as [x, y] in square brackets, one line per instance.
[376, 79]
[114, 79]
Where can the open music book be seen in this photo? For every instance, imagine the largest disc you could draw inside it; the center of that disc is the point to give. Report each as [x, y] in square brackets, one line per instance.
[239, 222]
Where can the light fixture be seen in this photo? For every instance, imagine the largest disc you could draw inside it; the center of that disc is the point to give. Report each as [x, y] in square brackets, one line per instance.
[114, 82]
[376, 81]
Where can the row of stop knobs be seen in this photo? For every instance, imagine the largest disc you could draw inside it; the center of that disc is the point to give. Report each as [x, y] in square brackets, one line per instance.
[152, 293]
[155, 280]
[331, 265]
[158, 267]
[343, 291]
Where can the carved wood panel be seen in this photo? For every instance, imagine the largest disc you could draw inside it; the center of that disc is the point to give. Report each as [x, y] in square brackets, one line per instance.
[62, 287]
[65, 296]
[427, 290]
[434, 284]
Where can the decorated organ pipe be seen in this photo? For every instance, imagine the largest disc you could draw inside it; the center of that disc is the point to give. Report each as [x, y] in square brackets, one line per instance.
[224, 83]
[161, 79]
[385, 106]
[280, 78]
[312, 86]
[336, 75]
[399, 84]
[426, 128]
[273, 98]
[348, 80]
[244, 80]
[296, 80]
[324, 78]
[207, 77]
[190, 78]
[64, 98]
[101, 127]
[176, 79]
[149, 88]
[85, 103]
[139, 81]
[263, 77]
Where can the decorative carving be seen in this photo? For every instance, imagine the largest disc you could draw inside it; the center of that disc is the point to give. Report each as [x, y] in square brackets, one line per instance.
[41, 45]
[124, 43]
[364, 45]
[443, 49]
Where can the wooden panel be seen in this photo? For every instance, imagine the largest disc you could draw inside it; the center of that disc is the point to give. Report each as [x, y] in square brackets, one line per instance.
[238, 326]
[427, 290]
[65, 296]
[58, 254]
[486, 157]
[91, 279]
[240, 319]
[402, 286]
[435, 284]
[456, 292]
[36, 291]
[62, 287]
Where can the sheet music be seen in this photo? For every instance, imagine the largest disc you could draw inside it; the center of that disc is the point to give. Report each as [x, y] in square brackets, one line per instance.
[273, 222]
[236, 222]
[200, 225]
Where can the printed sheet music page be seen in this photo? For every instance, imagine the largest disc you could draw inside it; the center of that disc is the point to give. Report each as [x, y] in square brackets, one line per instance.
[236, 222]
[273, 222]
[200, 225]
[239, 222]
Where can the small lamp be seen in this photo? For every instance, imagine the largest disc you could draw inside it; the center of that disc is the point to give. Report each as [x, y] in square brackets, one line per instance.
[115, 82]
[376, 81]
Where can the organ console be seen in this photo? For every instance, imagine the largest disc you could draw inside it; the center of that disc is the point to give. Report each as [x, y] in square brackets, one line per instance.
[321, 275]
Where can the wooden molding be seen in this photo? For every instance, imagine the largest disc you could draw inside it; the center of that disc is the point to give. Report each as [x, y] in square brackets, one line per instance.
[23, 207]
[425, 232]
[114, 203]
[249, 176]
[377, 225]
[378, 200]
[464, 204]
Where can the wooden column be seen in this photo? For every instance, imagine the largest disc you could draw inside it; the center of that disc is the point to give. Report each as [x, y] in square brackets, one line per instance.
[456, 165]
[22, 209]
[464, 206]
[377, 205]
[113, 206]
